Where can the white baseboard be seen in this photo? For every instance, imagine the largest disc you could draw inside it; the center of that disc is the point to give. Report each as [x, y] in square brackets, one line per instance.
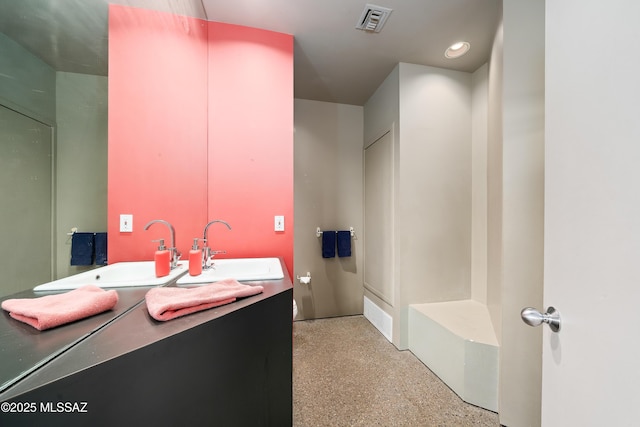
[378, 318]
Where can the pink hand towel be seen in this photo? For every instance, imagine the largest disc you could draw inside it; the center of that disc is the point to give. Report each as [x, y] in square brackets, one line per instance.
[168, 303]
[55, 310]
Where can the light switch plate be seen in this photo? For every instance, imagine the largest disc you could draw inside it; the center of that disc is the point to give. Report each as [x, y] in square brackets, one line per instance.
[126, 223]
[279, 223]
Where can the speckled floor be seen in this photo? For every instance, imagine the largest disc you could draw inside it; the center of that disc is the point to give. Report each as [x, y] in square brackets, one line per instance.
[345, 373]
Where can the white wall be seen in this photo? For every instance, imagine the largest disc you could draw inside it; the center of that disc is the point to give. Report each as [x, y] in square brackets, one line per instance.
[382, 114]
[433, 182]
[494, 186]
[434, 235]
[522, 210]
[488, 183]
[382, 110]
[479, 137]
[328, 189]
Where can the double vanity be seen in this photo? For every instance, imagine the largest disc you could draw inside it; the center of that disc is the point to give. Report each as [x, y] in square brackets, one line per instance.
[142, 273]
[229, 365]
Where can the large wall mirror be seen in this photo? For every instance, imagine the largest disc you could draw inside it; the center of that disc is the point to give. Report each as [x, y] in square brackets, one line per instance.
[54, 78]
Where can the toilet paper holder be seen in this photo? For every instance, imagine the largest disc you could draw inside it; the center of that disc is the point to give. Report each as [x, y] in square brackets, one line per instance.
[305, 279]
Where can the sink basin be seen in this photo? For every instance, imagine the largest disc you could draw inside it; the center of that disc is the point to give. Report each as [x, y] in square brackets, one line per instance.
[241, 269]
[118, 275]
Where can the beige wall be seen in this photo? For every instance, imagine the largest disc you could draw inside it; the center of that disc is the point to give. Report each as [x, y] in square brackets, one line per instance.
[382, 114]
[26, 150]
[494, 195]
[431, 110]
[27, 84]
[382, 110]
[81, 157]
[327, 194]
[520, 266]
[479, 137]
[494, 186]
[76, 104]
[434, 224]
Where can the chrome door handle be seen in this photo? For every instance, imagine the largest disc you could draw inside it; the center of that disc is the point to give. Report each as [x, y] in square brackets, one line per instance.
[533, 317]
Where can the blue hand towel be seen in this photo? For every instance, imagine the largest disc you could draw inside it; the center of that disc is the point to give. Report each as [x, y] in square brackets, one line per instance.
[82, 249]
[328, 244]
[100, 245]
[344, 243]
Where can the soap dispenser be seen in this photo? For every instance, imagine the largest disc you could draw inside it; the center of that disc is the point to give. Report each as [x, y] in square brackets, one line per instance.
[195, 259]
[162, 259]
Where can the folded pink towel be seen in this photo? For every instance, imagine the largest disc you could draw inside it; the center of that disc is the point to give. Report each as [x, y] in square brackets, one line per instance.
[169, 303]
[55, 310]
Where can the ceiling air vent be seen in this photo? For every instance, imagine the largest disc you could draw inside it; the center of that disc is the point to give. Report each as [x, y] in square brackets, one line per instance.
[373, 18]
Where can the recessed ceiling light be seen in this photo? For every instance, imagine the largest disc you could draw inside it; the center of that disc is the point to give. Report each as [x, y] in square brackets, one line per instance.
[456, 50]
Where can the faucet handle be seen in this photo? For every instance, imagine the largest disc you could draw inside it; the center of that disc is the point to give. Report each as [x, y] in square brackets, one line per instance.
[207, 257]
[175, 256]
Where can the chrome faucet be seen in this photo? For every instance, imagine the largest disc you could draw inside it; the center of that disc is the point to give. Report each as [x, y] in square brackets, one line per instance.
[207, 253]
[174, 254]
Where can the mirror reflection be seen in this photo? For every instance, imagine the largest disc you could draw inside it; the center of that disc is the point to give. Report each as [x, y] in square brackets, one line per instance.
[53, 90]
[54, 96]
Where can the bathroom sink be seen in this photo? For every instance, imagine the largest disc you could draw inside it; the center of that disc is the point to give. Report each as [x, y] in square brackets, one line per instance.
[241, 269]
[118, 275]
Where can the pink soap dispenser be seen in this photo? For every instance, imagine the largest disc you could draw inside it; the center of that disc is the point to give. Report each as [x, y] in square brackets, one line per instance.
[195, 259]
[162, 259]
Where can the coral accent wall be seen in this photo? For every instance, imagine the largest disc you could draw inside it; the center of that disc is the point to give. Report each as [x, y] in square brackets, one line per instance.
[157, 129]
[251, 140]
[200, 128]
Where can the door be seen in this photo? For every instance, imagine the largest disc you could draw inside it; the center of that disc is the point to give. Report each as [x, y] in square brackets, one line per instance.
[25, 210]
[378, 217]
[591, 367]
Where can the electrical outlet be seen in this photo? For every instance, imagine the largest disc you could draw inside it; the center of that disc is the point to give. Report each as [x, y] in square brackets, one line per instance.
[279, 223]
[126, 223]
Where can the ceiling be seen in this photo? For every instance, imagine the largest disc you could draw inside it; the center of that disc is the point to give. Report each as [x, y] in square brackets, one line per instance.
[333, 61]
